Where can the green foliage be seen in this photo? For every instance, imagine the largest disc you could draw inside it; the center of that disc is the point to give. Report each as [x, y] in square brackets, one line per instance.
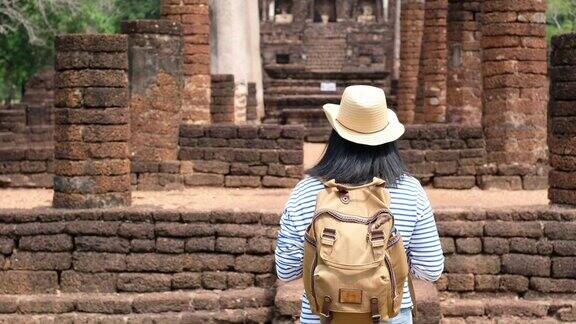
[560, 17]
[27, 42]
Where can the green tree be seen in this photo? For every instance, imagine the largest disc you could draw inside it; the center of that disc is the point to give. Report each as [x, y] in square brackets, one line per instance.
[560, 17]
[28, 29]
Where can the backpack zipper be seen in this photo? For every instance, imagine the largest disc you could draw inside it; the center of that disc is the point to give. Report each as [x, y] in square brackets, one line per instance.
[309, 239]
[351, 218]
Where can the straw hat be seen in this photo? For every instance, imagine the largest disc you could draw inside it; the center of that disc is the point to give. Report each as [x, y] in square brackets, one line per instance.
[363, 117]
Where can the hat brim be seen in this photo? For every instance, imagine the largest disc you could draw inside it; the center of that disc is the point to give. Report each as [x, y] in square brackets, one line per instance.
[390, 133]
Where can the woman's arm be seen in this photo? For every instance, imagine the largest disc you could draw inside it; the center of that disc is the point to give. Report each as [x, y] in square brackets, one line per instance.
[425, 252]
[289, 250]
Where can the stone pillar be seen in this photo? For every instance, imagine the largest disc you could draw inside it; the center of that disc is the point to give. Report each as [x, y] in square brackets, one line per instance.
[223, 106]
[431, 93]
[236, 38]
[255, 56]
[396, 9]
[464, 83]
[156, 84]
[92, 165]
[515, 90]
[196, 56]
[411, 29]
[562, 120]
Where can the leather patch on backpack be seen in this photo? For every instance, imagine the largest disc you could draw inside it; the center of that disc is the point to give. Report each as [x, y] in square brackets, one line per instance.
[350, 296]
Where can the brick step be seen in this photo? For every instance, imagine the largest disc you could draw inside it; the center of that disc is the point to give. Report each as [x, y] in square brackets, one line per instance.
[313, 83]
[288, 298]
[199, 304]
[299, 101]
[246, 315]
[506, 308]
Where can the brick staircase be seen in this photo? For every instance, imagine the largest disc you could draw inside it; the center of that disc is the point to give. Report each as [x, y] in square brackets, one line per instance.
[137, 265]
[148, 265]
[299, 100]
[507, 308]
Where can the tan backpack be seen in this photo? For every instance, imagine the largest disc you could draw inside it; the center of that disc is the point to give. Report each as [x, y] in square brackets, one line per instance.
[355, 264]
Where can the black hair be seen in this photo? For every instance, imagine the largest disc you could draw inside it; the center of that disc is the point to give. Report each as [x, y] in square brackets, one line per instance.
[355, 164]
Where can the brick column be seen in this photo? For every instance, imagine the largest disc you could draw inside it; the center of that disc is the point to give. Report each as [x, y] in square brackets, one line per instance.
[156, 84]
[222, 107]
[92, 165]
[193, 14]
[464, 81]
[431, 93]
[411, 29]
[562, 120]
[252, 103]
[515, 86]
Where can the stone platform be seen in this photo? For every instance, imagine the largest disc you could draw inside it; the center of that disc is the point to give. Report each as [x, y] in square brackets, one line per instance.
[184, 265]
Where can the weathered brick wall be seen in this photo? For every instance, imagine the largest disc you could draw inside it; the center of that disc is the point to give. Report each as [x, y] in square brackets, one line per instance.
[13, 118]
[184, 265]
[222, 104]
[26, 147]
[39, 89]
[562, 120]
[464, 79]
[242, 156]
[453, 156]
[431, 92]
[92, 165]
[193, 14]
[445, 156]
[515, 83]
[522, 252]
[197, 264]
[411, 31]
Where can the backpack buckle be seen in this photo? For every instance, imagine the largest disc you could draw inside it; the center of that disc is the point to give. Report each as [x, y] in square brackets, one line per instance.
[377, 238]
[328, 236]
[326, 308]
[374, 311]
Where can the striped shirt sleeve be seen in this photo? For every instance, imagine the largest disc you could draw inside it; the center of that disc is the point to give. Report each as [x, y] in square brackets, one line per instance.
[425, 252]
[289, 250]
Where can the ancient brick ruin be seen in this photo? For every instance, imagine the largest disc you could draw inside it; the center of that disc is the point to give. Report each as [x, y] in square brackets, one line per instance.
[561, 114]
[92, 164]
[467, 72]
[243, 156]
[158, 109]
[191, 266]
[193, 14]
[222, 107]
[300, 52]
[464, 63]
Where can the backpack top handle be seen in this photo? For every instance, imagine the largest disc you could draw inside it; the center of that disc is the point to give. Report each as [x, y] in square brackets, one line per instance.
[343, 188]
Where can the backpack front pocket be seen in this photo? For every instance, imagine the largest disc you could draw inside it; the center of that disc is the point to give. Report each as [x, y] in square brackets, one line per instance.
[350, 290]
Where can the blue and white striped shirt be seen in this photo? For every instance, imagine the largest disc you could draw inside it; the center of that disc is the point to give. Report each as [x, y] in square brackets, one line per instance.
[413, 218]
